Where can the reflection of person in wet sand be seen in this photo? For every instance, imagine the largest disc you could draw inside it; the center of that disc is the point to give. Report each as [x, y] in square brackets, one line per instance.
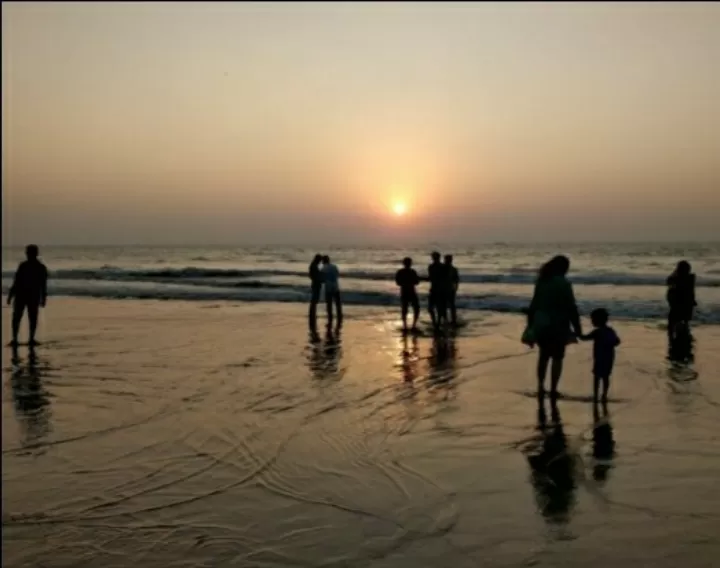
[553, 470]
[442, 361]
[409, 358]
[324, 356]
[30, 399]
[28, 292]
[603, 444]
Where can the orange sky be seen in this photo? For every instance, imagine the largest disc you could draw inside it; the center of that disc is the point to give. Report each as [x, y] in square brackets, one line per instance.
[277, 123]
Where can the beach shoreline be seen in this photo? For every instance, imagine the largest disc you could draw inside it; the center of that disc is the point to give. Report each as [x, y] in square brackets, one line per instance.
[191, 434]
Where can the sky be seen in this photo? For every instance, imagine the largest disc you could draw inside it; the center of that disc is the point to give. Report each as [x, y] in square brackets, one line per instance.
[288, 123]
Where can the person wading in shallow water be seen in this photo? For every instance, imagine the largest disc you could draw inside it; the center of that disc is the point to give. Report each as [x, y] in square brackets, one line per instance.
[316, 282]
[407, 279]
[28, 291]
[437, 297]
[331, 280]
[552, 311]
[453, 284]
[681, 299]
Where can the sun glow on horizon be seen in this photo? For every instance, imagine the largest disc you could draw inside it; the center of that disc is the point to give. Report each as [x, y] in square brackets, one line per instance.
[399, 208]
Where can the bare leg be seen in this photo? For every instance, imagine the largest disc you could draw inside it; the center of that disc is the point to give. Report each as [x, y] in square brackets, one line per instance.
[338, 307]
[18, 310]
[542, 366]
[404, 312]
[416, 313]
[596, 388]
[555, 374]
[329, 308]
[33, 310]
[431, 309]
[606, 388]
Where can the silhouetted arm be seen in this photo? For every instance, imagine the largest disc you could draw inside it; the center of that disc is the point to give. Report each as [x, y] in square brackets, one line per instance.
[13, 288]
[588, 336]
[574, 313]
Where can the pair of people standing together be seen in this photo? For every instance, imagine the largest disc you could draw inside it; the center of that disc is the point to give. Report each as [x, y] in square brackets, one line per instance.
[553, 312]
[444, 281]
[326, 275]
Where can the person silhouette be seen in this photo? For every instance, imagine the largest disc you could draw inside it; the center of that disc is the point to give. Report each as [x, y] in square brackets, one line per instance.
[407, 279]
[551, 314]
[453, 284]
[681, 300]
[437, 297]
[331, 280]
[28, 292]
[316, 282]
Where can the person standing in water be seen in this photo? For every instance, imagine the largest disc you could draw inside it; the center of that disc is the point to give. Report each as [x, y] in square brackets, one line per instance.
[437, 298]
[28, 291]
[407, 279]
[316, 282]
[551, 314]
[331, 280]
[680, 298]
[453, 284]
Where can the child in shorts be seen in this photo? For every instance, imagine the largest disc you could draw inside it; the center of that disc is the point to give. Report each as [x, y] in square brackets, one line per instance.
[605, 340]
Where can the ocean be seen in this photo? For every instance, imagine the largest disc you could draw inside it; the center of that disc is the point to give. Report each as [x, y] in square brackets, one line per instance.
[627, 279]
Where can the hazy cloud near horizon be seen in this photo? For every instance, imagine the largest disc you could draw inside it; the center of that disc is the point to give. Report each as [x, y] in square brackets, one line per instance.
[162, 123]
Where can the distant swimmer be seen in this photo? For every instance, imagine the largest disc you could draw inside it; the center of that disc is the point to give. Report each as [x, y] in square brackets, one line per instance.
[437, 298]
[331, 280]
[407, 279]
[453, 284]
[28, 291]
[316, 282]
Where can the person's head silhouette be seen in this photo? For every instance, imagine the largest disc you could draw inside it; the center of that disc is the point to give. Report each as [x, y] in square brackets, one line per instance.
[435, 256]
[448, 259]
[683, 268]
[32, 252]
[407, 262]
[326, 259]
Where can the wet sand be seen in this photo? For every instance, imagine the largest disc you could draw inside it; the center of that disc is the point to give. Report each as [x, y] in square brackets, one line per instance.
[184, 434]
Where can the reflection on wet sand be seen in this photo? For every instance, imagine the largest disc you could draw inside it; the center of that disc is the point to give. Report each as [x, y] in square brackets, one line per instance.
[442, 361]
[409, 358]
[31, 399]
[324, 355]
[603, 444]
[552, 469]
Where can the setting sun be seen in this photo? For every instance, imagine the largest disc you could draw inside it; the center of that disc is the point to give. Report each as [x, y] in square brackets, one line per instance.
[399, 209]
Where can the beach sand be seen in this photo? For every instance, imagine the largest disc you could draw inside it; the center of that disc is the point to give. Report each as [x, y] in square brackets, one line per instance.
[195, 434]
